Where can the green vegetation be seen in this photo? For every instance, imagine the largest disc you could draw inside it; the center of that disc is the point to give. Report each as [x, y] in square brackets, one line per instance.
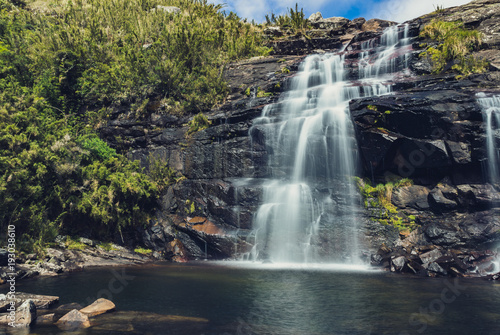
[143, 251]
[107, 246]
[294, 20]
[199, 122]
[63, 66]
[74, 244]
[379, 198]
[455, 46]
[438, 9]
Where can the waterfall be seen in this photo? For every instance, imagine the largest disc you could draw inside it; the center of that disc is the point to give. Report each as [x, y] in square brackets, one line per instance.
[491, 116]
[309, 210]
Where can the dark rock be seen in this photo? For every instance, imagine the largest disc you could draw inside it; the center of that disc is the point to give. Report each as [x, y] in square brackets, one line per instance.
[414, 196]
[430, 256]
[45, 320]
[332, 23]
[4, 257]
[439, 202]
[436, 269]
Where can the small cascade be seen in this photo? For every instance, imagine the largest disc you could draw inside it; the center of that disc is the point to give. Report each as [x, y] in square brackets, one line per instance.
[309, 208]
[491, 116]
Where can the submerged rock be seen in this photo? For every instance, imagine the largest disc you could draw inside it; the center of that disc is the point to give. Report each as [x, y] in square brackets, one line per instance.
[72, 321]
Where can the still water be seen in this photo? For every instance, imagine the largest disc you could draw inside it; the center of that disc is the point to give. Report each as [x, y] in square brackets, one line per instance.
[239, 300]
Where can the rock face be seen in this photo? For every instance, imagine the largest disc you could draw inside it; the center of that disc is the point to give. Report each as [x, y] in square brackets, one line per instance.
[430, 130]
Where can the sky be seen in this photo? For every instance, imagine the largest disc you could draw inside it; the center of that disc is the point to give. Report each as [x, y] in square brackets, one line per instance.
[394, 10]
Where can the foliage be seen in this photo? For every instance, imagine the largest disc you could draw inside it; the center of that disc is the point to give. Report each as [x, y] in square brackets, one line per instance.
[199, 122]
[455, 46]
[438, 8]
[380, 198]
[63, 64]
[162, 174]
[88, 52]
[294, 19]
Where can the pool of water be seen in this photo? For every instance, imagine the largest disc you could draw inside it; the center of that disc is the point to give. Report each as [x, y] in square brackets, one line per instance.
[227, 298]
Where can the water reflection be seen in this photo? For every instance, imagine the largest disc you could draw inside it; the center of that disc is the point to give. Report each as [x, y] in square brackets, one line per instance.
[219, 300]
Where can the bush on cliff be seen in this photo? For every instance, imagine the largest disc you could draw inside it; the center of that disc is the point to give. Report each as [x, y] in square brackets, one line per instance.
[64, 61]
[455, 46]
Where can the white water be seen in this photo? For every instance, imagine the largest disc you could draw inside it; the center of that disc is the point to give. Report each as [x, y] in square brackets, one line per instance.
[309, 210]
[491, 115]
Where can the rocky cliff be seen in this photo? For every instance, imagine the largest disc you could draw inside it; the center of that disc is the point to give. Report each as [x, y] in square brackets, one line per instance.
[429, 130]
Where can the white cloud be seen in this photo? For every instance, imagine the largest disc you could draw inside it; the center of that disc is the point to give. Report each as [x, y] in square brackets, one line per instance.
[403, 10]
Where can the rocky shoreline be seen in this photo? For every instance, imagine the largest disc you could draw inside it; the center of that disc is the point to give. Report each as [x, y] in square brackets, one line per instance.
[55, 261]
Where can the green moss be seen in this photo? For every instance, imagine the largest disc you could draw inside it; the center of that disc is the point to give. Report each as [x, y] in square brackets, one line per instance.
[248, 92]
[456, 43]
[379, 198]
[143, 251]
[262, 94]
[372, 108]
[190, 207]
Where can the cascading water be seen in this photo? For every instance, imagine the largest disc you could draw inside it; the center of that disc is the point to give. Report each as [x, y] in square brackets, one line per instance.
[491, 116]
[309, 208]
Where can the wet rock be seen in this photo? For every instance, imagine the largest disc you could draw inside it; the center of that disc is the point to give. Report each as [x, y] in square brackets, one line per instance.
[435, 268]
[430, 256]
[100, 306]
[4, 257]
[414, 196]
[439, 202]
[40, 301]
[25, 314]
[376, 25]
[398, 264]
[73, 321]
[45, 320]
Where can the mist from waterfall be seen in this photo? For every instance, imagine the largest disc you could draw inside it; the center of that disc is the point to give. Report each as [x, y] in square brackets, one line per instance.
[309, 210]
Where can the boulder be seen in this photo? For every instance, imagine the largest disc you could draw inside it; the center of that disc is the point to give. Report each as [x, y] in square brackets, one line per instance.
[439, 202]
[398, 264]
[168, 9]
[430, 256]
[335, 23]
[100, 306]
[315, 17]
[414, 196]
[40, 301]
[74, 320]
[435, 268]
[45, 320]
[25, 314]
[376, 25]
[273, 31]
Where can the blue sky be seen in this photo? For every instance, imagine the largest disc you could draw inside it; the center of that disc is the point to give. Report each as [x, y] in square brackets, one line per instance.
[395, 10]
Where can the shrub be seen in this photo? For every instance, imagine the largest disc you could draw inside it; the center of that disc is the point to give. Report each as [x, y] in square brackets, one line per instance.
[455, 46]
